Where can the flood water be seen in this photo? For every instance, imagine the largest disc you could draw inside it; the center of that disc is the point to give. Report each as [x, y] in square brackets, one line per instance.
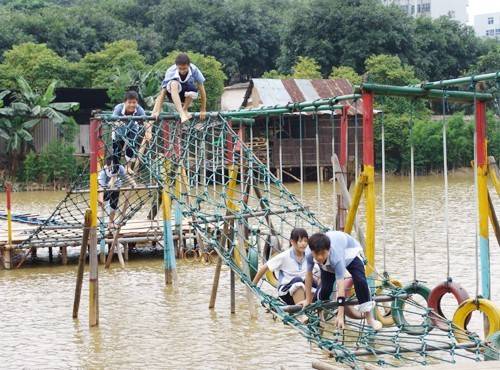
[143, 324]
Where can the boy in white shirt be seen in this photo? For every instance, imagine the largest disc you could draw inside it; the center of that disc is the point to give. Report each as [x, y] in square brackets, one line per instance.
[290, 266]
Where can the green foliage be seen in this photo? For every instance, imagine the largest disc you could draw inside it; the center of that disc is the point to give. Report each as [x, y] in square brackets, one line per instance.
[31, 167]
[274, 74]
[346, 72]
[339, 32]
[445, 48]
[209, 66]
[489, 62]
[107, 67]
[30, 107]
[36, 63]
[306, 68]
[56, 163]
[388, 69]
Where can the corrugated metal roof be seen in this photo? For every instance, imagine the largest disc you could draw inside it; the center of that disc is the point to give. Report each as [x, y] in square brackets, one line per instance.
[278, 92]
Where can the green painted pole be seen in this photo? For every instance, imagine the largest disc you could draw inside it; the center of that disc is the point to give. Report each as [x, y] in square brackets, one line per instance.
[418, 92]
[461, 80]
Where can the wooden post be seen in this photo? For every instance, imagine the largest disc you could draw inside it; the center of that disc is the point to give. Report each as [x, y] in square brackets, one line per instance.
[233, 292]
[7, 251]
[81, 262]
[64, 255]
[51, 256]
[125, 251]
[93, 273]
[215, 284]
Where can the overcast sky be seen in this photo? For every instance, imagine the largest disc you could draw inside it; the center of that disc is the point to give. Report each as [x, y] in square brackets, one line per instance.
[482, 6]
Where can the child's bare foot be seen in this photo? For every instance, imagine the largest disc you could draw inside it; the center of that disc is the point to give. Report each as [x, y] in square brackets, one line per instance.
[184, 117]
[375, 324]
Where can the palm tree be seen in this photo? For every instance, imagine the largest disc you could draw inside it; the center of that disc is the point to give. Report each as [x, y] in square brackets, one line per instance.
[29, 109]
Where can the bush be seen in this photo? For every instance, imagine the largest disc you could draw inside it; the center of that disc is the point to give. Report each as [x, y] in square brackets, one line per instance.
[56, 163]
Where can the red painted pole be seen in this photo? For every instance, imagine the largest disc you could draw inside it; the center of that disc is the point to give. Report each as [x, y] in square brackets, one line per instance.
[229, 145]
[344, 122]
[369, 172]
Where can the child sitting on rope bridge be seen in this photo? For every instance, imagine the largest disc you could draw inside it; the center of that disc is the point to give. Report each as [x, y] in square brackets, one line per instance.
[110, 179]
[128, 131]
[181, 84]
[290, 268]
[335, 252]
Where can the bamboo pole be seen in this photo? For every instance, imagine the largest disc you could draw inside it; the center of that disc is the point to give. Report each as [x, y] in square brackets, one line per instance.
[81, 262]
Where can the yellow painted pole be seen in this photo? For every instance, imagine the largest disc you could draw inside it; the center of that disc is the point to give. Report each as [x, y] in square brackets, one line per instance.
[353, 208]
[93, 271]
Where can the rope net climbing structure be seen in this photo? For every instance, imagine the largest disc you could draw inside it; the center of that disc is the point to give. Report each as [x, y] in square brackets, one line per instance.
[234, 205]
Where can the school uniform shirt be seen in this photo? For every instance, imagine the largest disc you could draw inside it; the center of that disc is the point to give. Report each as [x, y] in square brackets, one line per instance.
[343, 250]
[193, 77]
[119, 111]
[105, 177]
[287, 266]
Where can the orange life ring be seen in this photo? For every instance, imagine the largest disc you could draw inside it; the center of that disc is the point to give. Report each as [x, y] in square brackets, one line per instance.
[434, 302]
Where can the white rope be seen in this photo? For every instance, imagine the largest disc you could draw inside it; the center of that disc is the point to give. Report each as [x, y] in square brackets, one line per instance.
[476, 203]
[356, 145]
[412, 185]
[334, 179]
[445, 174]
[383, 191]
[318, 182]
[301, 161]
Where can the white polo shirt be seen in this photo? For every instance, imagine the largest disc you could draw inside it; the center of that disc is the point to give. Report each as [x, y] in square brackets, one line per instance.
[287, 266]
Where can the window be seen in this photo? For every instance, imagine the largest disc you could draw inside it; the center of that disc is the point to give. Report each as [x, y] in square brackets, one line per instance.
[426, 8]
[490, 32]
[491, 20]
[497, 32]
[412, 9]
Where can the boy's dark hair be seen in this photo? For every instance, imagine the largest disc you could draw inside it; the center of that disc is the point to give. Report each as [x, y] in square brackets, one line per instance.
[113, 167]
[109, 161]
[318, 242]
[131, 95]
[182, 59]
[297, 234]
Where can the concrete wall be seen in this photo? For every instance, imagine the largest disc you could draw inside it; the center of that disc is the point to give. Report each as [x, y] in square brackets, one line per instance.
[484, 27]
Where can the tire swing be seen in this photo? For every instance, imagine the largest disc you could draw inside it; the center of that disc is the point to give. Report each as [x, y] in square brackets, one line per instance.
[384, 313]
[434, 302]
[464, 311]
[415, 288]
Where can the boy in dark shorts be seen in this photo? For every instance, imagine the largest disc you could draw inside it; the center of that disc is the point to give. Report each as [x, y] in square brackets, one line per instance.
[127, 132]
[181, 85]
[111, 179]
[290, 267]
[335, 252]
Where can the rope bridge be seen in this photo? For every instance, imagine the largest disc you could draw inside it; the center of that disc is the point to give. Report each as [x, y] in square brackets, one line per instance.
[237, 207]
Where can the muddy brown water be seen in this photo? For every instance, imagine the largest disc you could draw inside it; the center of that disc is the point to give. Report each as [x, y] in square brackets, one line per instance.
[146, 325]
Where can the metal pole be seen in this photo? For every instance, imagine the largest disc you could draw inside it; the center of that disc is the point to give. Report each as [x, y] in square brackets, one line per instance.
[482, 197]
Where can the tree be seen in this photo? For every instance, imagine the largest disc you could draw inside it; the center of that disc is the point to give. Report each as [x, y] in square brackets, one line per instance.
[243, 35]
[209, 66]
[274, 74]
[306, 68]
[351, 31]
[36, 63]
[102, 68]
[445, 48]
[346, 72]
[20, 117]
[489, 62]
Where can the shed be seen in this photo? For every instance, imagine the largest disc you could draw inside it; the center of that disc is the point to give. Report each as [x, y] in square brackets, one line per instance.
[284, 132]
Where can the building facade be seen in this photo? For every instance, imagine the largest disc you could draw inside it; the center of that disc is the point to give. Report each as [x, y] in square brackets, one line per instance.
[456, 9]
[487, 25]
